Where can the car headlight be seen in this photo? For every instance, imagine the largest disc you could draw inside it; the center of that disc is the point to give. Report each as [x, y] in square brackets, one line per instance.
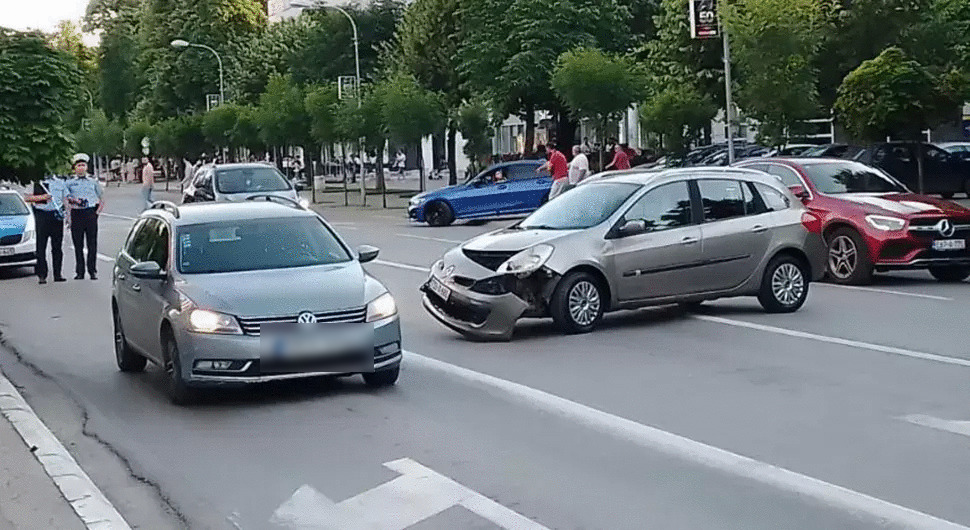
[205, 321]
[527, 261]
[417, 200]
[28, 235]
[382, 307]
[885, 223]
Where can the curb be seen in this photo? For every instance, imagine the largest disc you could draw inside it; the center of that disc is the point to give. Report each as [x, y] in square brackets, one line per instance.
[94, 509]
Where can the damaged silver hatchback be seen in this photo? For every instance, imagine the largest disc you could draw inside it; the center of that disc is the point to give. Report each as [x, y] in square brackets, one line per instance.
[635, 240]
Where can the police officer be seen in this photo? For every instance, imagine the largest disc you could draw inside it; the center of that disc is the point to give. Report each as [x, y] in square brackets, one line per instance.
[85, 195]
[48, 205]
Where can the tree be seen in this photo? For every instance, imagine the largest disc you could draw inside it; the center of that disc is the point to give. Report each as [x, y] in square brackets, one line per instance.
[366, 122]
[596, 86]
[410, 112]
[283, 120]
[38, 92]
[218, 125]
[246, 131]
[119, 77]
[473, 122]
[774, 43]
[271, 53]
[678, 114]
[894, 95]
[321, 105]
[134, 135]
[102, 136]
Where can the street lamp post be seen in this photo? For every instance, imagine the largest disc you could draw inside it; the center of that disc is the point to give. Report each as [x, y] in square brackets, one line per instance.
[353, 25]
[179, 43]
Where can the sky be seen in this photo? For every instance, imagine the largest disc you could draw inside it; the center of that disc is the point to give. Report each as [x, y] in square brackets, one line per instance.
[42, 14]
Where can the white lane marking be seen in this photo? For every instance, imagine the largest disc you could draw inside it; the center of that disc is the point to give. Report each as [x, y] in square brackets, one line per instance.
[836, 340]
[426, 238]
[404, 266]
[885, 291]
[88, 502]
[418, 494]
[954, 426]
[116, 216]
[652, 438]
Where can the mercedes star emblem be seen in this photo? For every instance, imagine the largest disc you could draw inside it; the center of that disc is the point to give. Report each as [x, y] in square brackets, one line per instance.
[945, 227]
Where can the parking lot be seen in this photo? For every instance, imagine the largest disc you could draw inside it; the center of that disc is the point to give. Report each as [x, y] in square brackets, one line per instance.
[850, 413]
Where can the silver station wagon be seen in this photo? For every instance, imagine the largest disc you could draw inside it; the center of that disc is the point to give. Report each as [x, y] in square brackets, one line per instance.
[236, 293]
[631, 240]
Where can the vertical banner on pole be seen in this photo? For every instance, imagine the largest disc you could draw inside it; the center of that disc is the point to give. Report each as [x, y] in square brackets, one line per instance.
[703, 19]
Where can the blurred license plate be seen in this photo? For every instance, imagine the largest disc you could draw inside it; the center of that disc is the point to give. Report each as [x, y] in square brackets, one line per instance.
[949, 244]
[297, 341]
[6, 251]
[439, 289]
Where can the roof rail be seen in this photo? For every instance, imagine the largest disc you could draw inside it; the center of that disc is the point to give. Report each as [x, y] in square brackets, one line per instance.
[270, 198]
[166, 205]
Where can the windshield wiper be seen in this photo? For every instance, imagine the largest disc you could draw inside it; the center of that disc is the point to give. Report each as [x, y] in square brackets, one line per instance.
[538, 227]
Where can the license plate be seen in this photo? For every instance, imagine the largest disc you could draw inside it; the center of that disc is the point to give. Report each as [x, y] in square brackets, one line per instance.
[949, 244]
[315, 341]
[439, 289]
[6, 251]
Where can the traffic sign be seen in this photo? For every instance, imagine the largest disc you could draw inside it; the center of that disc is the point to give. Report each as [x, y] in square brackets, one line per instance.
[212, 101]
[703, 19]
[347, 87]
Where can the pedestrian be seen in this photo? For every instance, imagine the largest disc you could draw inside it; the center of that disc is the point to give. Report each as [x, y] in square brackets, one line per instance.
[147, 181]
[400, 161]
[86, 199]
[620, 159]
[558, 168]
[578, 166]
[48, 205]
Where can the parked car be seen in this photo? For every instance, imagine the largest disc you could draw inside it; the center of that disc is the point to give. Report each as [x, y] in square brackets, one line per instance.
[673, 236]
[873, 223]
[510, 188]
[943, 173]
[238, 293]
[237, 182]
[833, 151]
[792, 150]
[17, 231]
[958, 149]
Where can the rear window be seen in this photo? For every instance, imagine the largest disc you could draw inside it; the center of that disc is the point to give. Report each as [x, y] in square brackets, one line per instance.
[257, 244]
[250, 180]
[11, 204]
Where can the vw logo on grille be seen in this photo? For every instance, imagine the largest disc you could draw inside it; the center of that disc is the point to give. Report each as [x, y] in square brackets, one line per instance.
[945, 227]
[306, 317]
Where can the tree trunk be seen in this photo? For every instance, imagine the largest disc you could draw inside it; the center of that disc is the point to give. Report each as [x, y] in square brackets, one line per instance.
[421, 165]
[530, 130]
[919, 168]
[452, 162]
[566, 133]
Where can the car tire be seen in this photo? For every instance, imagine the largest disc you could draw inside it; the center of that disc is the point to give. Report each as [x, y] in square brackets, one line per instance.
[179, 391]
[950, 274]
[578, 303]
[439, 213]
[784, 286]
[127, 359]
[382, 378]
[847, 261]
[691, 307]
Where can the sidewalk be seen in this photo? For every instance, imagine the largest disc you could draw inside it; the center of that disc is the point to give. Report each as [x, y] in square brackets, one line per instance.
[28, 497]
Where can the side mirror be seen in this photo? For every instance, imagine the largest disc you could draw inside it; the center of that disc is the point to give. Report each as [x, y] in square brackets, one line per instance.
[147, 270]
[366, 253]
[799, 192]
[632, 228]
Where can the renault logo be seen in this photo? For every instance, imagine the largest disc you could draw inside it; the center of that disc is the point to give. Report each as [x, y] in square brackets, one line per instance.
[945, 227]
[450, 270]
[306, 318]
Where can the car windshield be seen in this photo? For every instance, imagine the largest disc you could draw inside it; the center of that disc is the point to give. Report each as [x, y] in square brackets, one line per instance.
[582, 207]
[11, 204]
[250, 180]
[850, 177]
[257, 244]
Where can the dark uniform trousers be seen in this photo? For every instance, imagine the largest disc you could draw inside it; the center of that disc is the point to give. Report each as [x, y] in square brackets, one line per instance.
[84, 228]
[49, 228]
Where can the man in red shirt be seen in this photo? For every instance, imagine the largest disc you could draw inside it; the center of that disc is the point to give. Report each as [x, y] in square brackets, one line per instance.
[620, 159]
[558, 168]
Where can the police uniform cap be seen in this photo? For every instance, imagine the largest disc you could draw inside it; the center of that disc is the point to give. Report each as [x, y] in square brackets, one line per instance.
[80, 157]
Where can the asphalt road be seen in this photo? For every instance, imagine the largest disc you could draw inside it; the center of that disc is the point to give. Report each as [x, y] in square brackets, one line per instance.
[851, 413]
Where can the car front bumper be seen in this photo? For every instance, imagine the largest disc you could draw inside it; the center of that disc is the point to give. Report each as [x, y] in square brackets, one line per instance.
[416, 212]
[24, 254]
[908, 252]
[474, 314]
[244, 351]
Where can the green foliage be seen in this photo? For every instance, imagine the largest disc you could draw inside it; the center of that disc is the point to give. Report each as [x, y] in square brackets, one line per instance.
[218, 125]
[677, 114]
[426, 45]
[119, 78]
[365, 122]
[38, 92]
[270, 53]
[475, 127]
[596, 85]
[773, 44]
[410, 112]
[894, 95]
[134, 135]
[321, 104]
[282, 117]
[246, 132]
[102, 136]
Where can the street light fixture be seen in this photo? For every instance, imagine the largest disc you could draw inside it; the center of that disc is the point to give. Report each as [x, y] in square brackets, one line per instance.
[182, 44]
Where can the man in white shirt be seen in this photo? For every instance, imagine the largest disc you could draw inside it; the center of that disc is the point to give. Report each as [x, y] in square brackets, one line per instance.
[578, 167]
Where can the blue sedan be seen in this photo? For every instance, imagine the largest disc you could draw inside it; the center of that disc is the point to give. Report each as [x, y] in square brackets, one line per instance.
[510, 188]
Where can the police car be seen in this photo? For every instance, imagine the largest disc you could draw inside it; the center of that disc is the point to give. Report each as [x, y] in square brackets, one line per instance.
[17, 231]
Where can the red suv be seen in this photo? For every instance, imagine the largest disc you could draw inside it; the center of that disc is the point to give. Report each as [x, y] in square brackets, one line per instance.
[872, 223]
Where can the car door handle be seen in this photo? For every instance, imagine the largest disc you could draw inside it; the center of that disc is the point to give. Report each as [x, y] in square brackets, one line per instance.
[136, 287]
[757, 229]
[121, 276]
[688, 240]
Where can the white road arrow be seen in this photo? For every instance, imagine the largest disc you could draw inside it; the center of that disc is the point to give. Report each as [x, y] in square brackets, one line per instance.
[419, 493]
[956, 427]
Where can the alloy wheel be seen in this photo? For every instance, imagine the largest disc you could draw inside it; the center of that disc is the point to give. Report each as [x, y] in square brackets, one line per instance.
[584, 303]
[843, 257]
[788, 284]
